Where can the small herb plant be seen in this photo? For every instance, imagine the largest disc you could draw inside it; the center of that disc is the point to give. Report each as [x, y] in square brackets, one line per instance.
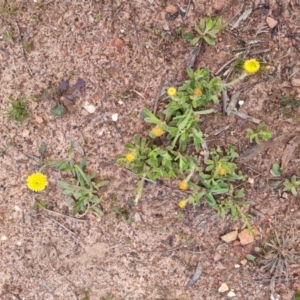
[279, 254]
[81, 190]
[291, 185]
[18, 110]
[208, 29]
[261, 133]
[8, 35]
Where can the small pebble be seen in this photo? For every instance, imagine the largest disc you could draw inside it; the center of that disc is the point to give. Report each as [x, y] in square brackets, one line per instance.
[3, 238]
[237, 266]
[115, 117]
[231, 294]
[223, 288]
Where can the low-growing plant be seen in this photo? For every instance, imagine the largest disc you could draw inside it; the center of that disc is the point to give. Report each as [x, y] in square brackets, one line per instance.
[8, 8]
[8, 35]
[176, 137]
[261, 133]
[18, 110]
[279, 254]
[208, 29]
[291, 185]
[81, 189]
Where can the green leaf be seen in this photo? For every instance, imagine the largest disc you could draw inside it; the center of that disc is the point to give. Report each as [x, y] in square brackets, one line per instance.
[59, 110]
[209, 40]
[102, 183]
[277, 171]
[250, 257]
[79, 206]
[210, 200]
[43, 148]
[195, 40]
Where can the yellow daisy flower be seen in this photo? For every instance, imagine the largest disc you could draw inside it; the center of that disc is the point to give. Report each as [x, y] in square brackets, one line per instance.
[197, 92]
[37, 182]
[183, 185]
[130, 157]
[157, 131]
[251, 66]
[182, 203]
[222, 172]
[171, 91]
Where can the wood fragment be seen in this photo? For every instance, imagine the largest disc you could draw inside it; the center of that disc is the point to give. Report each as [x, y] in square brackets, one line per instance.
[243, 17]
[289, 150]
[225, 100]
[246, 117]
[22, 49]
[232, 104]
[196, 275]
[221, 130]
[157, 96]
[134, 24]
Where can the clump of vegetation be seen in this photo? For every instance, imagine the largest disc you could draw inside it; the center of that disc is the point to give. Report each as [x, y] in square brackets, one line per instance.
[8, 8]
[278, 255]
[8, 35]
[18, 110]
[178, 124]
[291, 185]
[261, 133]
[81, 189]
[207, 29]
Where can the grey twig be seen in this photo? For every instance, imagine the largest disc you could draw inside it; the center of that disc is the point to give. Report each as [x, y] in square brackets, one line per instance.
[22, 49]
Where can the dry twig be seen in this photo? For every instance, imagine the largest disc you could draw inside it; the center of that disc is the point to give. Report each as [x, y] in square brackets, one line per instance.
[22, 49]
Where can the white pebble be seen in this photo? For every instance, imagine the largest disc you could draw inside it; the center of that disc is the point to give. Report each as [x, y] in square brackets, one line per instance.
[19, 243]
[231, 294]
[236, 266]
[89, 107]
[115, 117]
[3, 238]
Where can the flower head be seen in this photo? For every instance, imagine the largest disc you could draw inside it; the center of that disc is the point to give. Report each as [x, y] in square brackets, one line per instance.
[182, 203]
[251, 66]
[130, 157]
[183, 185]
[157, 131]
[222, 172]
[37, 182]
[197, 92]
[171, 91]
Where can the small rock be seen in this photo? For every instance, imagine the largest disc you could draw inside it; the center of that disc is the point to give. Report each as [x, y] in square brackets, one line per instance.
[295, 82]
[217, 257]
[120, 102]
[237, 266]
[115, 117]
[172, 9]
[127, 15]
[246, 237]
[244, 262]
[137, 217]
[231, 294]
[89, 107]
[271, 22]
[160, 60]
[3, 238]
[230, 237]
[39, 119]
[251, 180]
[223, 288]
[219, 4]
[221, 266]
[118, 43]
[166, 26]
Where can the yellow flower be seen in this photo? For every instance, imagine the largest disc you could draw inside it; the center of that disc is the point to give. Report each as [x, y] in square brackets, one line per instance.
[130, 157]
[182, 203]
[37, 182]
[251, 66]
[157, 131]
[197, 92]
[183, 185]
[222, 172]
[171, 91]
